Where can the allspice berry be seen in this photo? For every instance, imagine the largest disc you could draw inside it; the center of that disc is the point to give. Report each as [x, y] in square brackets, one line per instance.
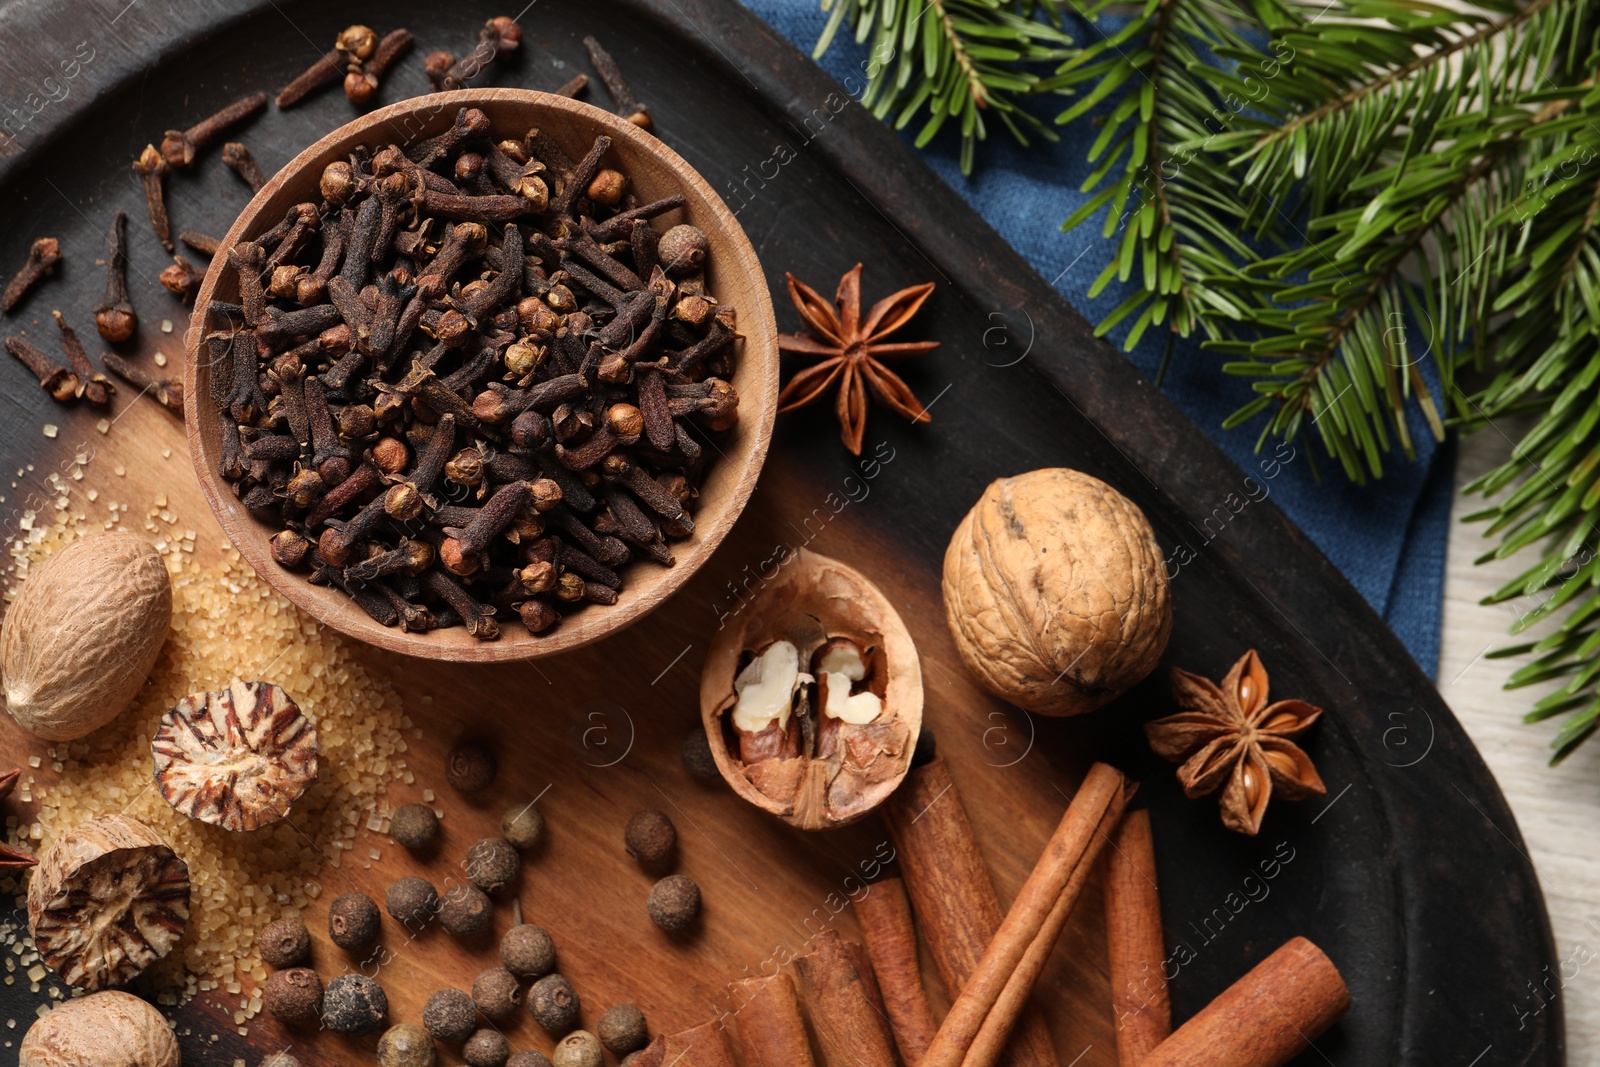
[450, 1016]
[414, 825]
[486, 1048]
[522, 825]
[622, 1029]
[496, 993]
[353, 921]
[284, 942]
[470, 767]
[529, 1058]
[406, 1045]
[411, 900]
[527, 951]
[466, 911]
[674, 902]
[553, 1004]
[354, 1004]
[579, 1049]
[293, 996]
[697, 758]
[492, 864]
[650, 837]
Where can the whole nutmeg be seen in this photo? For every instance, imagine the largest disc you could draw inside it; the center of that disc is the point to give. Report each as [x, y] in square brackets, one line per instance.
[102, 1028]
[466, 911]
[450, 1015]
[579, 1049]
[486, 1048]
[622, 1029]
[470, 767]
[496, 993]
[492, 864]
[354, 1004]
[353, 921]
[553, 1004]
[674, 902]
[293, 996]
[414, 825]
[522, 825]
[284, 942]
[406, 1045]
[1056, 592]
[650, 837]
[527, 951]
[83, 633]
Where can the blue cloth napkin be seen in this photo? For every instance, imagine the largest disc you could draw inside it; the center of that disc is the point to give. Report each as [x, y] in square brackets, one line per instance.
[1388, 537]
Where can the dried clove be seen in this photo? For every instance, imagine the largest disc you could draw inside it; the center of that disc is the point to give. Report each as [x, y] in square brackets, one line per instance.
[362, 80]
[499, 37]
[178, 147]
[114, 316]
[43, 255]
[237, 158]
[616, 85]
[93, 386]
[152, 169]
[328, 69]
[168, 392]
[58, 381]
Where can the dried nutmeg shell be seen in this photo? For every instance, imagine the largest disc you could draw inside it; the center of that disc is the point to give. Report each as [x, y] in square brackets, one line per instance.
[811, 696]
[1056, 592]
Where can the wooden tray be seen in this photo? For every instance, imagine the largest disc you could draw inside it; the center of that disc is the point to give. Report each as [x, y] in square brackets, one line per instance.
[1411, 872]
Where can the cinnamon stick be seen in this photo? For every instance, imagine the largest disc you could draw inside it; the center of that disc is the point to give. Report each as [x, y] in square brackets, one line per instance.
[884, 915]
[770, 1029]
[1139, 1000]
[705, 1045]
[952, 896]
[848, 1026]
[975, 1031]
[1266, 1018]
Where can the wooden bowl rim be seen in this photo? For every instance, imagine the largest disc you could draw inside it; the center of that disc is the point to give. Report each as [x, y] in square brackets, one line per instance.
[647, 590]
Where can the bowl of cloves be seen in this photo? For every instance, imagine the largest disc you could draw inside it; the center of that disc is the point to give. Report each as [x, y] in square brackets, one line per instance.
[483, 375]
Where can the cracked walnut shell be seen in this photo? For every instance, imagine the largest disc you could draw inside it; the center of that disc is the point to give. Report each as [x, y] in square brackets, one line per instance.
[1056, 592]
[98, 1030]
[108, 899]
[238, 758]
[811, 695]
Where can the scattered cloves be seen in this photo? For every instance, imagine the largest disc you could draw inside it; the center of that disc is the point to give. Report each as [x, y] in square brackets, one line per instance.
[178, 147]
[93, 386]
[43, 255]
[114, 316]
[152, 169]
[237, 158]
[616, 85]
[58, 381]
[168, 392]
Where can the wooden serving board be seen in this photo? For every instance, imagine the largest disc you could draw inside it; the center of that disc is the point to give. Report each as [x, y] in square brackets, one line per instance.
[1410, 873]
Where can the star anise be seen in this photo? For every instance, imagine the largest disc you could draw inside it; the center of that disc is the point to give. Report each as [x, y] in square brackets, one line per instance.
[1230, 733]
[849, 349]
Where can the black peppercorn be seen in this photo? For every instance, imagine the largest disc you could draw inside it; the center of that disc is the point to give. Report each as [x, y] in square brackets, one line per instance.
[650, 837]
[470, 767]
[697, 758]
[353, 921]
[284, 942]
[522, 826]
[465, 911]
[622, 1029]
[293, 996]
[579, 1049]
[414, 826]
[486, 1048]
[450, 1016]
[528, 1058]
[411, 900]
[496, 993]
[492, 864]
[406, 1045]
[674, 902]
[553, 1004]
[354, 1004]
[527, 951]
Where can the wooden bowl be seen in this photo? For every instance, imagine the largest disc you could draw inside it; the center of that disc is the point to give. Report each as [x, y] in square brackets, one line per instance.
[734, 277]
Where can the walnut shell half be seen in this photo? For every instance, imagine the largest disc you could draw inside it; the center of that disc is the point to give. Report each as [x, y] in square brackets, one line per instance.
[100, 1030]
[813, 770]
[108, 899]
[83, 633]
[238, 758]
[1056, 592]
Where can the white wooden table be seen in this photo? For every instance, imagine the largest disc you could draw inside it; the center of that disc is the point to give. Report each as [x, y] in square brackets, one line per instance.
[1558, 809]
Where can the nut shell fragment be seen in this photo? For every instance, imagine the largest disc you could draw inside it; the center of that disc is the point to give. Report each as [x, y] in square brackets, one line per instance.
[100, 1030]
[108, 899]
[844, 769]
[1055, 591]
[238, 758]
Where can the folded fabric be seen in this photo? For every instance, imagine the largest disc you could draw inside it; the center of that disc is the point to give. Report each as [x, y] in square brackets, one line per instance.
[1387, 537]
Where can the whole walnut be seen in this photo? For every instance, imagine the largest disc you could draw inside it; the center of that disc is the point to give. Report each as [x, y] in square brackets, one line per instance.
[97, 1030]
[1056, 592]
